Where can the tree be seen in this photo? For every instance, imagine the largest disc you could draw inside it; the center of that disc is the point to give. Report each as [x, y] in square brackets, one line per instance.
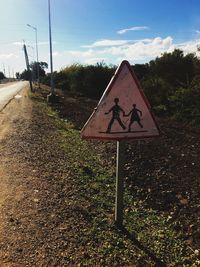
[41, 66]
[185, 105]
[141, 70]
[175, 68]
[2, 76]
[17, 74]
[89, 80]
[157, 91]
[25, 75]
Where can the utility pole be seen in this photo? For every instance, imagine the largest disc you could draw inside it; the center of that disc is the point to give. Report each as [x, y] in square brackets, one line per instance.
[8, 71]
[28, 67]
[36, 45]
[4, 71]
[33, 68]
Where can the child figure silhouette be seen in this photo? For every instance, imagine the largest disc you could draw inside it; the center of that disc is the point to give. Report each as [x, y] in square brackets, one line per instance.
[135, 116]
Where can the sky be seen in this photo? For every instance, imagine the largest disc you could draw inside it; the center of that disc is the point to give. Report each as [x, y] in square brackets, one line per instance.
[94, 31]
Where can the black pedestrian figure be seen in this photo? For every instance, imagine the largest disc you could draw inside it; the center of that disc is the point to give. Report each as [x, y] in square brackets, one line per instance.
[116, 109]
[134, 117]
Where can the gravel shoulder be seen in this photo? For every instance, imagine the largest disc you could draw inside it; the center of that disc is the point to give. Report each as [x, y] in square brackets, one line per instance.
[27, 141]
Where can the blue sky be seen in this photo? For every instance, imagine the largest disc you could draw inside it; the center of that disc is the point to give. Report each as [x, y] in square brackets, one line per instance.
[91, 31]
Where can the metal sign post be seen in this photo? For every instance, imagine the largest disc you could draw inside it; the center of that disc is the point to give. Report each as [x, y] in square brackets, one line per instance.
[50, 47]
[119, 183]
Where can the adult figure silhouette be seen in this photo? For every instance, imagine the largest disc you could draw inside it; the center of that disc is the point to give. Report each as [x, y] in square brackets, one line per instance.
[116, 109]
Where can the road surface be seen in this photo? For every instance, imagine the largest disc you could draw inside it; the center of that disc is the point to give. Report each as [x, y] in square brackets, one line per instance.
[8, 91]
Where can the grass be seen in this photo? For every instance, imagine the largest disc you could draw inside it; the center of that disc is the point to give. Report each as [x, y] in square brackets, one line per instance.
[147, 237]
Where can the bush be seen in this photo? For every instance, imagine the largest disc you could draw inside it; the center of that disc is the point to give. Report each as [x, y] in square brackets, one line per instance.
[185, 105]
[89, 81]
[170, 82]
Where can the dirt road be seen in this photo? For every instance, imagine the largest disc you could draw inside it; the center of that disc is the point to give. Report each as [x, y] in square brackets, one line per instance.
[19, 110]
[24, 188]
[31, 199]
[8, 118]
[9, 90]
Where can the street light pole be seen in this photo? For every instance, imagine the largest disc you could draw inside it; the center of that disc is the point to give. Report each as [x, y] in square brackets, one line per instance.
[52, 97]
[36, 45]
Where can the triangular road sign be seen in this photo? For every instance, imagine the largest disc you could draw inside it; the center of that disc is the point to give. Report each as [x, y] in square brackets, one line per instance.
[123, 111]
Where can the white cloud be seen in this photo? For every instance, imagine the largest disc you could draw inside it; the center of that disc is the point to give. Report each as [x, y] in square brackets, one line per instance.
[136, 28]
[189, 47]
[39, 43]
[7, 56]
[81, 54]
[47, 43]
[142, 50]
[18, 43]
[106, 43]
[56, 54]
[69, 57]
[136, 51]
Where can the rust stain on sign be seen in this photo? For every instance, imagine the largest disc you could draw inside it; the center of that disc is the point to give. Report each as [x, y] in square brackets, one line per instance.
[123, 111]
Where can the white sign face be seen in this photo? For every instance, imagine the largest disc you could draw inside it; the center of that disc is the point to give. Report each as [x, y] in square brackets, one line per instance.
[123, 112]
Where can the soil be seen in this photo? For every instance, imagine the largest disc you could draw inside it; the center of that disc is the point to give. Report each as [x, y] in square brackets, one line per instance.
[163, 173]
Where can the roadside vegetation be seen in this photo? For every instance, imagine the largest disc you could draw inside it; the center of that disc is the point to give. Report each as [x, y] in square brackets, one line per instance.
[171, 83]
[161, 216]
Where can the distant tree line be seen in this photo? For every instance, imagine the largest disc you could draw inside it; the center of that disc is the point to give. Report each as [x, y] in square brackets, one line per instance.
[171, 83]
